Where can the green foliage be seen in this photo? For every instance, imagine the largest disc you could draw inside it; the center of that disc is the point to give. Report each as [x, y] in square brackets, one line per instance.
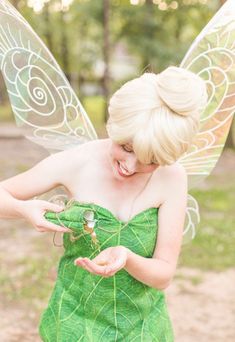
[156, 37]
[94, 106]
[6, 113]
[159, 37]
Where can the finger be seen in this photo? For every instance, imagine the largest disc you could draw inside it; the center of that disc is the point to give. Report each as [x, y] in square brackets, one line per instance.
[89, 265]
[49, 226]
[110, 272]
[78, 261]
[54, 207]
[96, 268]
[82, 264]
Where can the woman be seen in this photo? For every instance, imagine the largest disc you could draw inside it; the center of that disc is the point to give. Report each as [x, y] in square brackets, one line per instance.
[125, 220]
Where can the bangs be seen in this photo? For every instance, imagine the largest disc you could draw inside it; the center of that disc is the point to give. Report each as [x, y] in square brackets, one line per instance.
[144, 149]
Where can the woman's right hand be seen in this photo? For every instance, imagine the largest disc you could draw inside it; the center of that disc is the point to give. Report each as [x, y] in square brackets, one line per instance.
[34, 210]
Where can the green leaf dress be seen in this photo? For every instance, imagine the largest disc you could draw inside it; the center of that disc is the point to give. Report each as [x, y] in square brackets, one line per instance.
[91, 308]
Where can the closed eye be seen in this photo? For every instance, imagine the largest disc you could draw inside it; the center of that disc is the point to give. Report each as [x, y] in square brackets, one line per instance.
[125, 148]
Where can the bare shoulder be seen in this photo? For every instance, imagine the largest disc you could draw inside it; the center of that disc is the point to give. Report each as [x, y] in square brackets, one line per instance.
[174, 173]
[178, 173]
[77, 155]
[172, 180]
[71, 161]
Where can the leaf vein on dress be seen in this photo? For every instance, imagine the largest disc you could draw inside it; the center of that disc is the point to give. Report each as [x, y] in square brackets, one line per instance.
[131, 301]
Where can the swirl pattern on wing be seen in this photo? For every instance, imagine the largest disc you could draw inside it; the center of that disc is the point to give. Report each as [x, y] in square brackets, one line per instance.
[192, 219]
[41, 97]
[212, 56]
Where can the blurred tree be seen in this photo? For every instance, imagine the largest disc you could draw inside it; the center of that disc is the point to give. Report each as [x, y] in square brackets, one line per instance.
[64, 42]
[106, 53]
[160, 34]
[15, 3]
[48, 26]
[86, 38]
[148, 20]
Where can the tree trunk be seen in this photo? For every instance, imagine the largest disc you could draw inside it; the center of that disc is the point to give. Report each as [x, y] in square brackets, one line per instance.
[15, 3]
[230, 140]
[3, 92]
[106, 53]
[148, 18]
[64, 46]
[47, 31]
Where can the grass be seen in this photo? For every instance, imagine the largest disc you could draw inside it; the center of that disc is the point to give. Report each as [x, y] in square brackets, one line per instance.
[194, 279]
[213, 246]
[21, 168]
[31, 278]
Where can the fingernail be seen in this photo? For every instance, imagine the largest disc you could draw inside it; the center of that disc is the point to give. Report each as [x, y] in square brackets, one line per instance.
[77, 260]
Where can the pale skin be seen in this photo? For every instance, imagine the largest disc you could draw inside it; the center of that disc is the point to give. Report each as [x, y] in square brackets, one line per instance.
[90, 173]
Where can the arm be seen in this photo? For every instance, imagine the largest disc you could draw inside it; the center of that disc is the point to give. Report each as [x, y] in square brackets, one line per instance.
[159, 270]
[35, 181]
[16, 192]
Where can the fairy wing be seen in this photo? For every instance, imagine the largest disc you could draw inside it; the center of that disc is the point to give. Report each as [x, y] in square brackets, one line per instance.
[212, 56]
[43, 102]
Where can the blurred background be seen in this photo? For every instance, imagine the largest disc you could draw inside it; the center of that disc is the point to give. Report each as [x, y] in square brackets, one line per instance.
[101, 44]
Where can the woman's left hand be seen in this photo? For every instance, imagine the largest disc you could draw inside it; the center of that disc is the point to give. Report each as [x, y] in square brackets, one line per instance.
[106, 263]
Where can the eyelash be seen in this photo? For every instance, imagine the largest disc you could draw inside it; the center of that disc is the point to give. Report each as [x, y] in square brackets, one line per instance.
[123, 146]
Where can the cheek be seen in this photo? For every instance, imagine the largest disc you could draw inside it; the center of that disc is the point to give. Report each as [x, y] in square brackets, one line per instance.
[116, 152]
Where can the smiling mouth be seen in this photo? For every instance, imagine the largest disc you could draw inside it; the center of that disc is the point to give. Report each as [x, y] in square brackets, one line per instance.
[122, 171]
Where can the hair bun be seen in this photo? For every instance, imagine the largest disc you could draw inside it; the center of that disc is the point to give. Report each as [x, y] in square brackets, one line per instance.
[182, 91]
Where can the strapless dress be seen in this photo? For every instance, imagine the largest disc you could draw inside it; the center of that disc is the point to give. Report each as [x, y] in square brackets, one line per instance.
[91, 308]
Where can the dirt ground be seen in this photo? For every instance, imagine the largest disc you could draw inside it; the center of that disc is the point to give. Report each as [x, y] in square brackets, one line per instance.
[202, 311]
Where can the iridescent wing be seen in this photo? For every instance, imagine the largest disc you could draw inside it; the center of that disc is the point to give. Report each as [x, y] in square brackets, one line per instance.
[192, 219]
[42, 100]
[212, 56]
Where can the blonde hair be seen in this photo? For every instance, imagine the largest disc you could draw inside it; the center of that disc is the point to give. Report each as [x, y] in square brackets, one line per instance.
[158, 113]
